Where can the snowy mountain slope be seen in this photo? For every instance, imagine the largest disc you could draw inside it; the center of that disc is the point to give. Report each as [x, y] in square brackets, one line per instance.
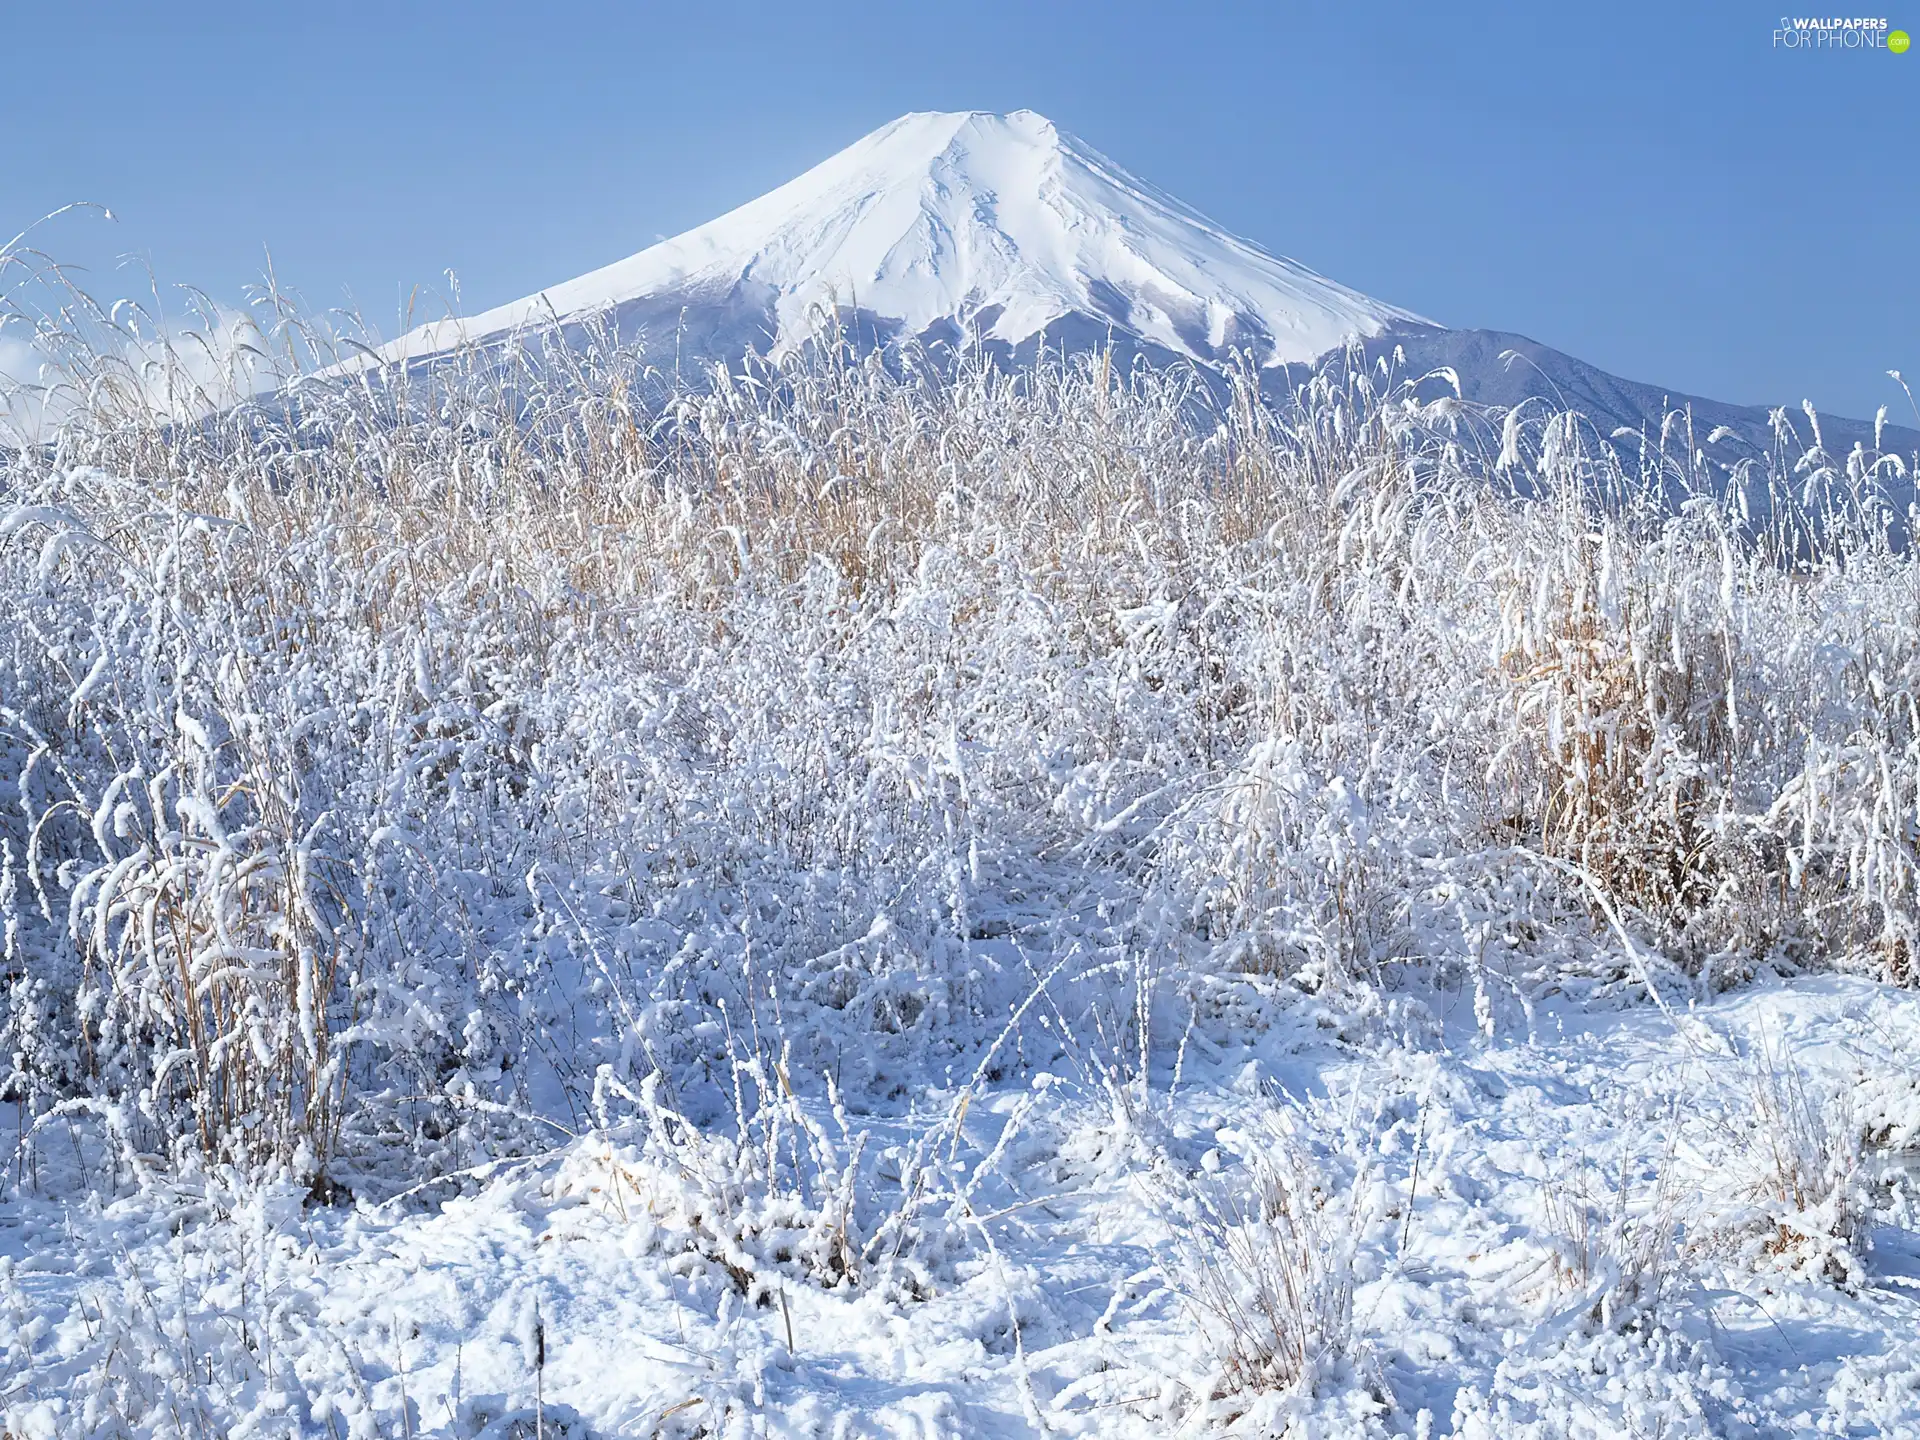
[1499, 369]
[938, 221]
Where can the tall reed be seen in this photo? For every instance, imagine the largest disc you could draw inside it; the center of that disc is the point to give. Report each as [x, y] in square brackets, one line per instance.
[385, 751]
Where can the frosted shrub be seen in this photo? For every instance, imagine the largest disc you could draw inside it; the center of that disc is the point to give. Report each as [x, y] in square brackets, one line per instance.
[776, 1197]
[1616, 1242]
[163, 831]
[1629, 719]
[1266, 1263]
[1794, 1196]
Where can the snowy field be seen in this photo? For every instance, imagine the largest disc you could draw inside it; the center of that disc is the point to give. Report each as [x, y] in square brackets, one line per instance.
[1565, 1230]
[841, 904]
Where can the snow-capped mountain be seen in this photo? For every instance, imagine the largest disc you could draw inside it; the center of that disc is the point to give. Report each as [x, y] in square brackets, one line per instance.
[1000, 223]
[1009, 231]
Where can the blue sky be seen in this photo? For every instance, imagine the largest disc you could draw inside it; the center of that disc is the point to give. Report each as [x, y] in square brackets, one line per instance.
[1654, 188]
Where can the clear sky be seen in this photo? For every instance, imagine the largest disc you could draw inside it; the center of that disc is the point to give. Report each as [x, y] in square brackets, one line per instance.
[1652, 187]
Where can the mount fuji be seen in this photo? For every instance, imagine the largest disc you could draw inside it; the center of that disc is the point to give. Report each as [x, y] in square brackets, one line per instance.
[1005, 230]
[938, 223]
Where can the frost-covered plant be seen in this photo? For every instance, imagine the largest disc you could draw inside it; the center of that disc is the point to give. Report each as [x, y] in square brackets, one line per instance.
[774, 1196]
[1265, 1261]
[385, 752]
[1626, 718]
[1799, 1192]
[1615, 1241]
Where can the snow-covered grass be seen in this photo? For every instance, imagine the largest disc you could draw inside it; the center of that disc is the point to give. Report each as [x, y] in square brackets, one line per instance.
[1268, 1266]
[854, 899]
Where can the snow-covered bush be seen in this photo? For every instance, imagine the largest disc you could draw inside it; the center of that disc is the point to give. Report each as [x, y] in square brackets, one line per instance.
[775, 1197]
[1616, 1243]
[1266, 1264]
[1792, 1191]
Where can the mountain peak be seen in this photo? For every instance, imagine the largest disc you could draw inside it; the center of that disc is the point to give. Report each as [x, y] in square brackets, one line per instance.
[940, 223]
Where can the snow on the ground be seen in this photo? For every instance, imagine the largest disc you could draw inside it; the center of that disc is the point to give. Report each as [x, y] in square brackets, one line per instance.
[1063, 1300]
